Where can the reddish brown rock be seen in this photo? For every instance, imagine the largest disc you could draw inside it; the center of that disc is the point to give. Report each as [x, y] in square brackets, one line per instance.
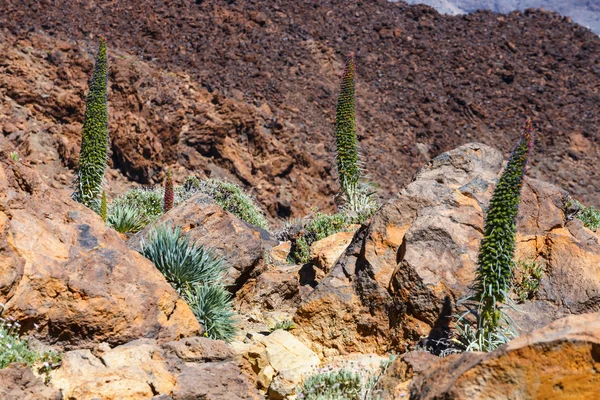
[214, 382]
[280, 253]
[560, 360]
[65, 271]
[194, 368]
[17, 382]
[395, 382]
[280, 362]
[278, 288]
[200, 349]
[241, 245]
[324, 253]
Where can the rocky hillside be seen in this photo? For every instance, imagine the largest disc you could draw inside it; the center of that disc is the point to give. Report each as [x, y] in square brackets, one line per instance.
[247, 91]
[122, 332]
[584, 12]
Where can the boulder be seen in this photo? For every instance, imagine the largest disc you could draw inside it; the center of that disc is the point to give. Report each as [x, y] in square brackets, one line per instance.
[278, 288]
[395, 381]
[241, 245]
[560, 360]
[397, 278]
[280, 253]
[192, 368]
[280, 360]
[17, 382]
[325, 252]
[64, 270]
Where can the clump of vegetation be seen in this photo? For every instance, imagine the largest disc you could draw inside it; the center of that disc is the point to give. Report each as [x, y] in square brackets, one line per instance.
[125, 218]
[14, 156]
[94, 138]
[15, 349]
[286, 325]
[152, 203]
[231, 197]
[526, 280]
[588, 215]
[492, 327]
[146, 202]
[336, 385]
[182, 263]
[196, 274]
[358, 198]
[212, 306]
[169, 193]
[318, 227]
[344, 383]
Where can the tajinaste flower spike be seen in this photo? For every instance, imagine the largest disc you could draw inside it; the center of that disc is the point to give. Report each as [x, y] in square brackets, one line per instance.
[169, 197]
[94, 140]
[345, 130]
[495, 260]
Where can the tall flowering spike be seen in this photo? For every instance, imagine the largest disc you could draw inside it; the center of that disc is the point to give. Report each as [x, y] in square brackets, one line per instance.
[94, 138]
[103, 207]
[169, 198]
[495, 260]
[345, 131]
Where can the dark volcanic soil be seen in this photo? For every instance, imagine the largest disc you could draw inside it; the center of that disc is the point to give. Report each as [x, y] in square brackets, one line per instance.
[270, 71]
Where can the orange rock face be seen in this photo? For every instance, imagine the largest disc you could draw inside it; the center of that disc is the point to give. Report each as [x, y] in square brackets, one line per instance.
[559, 361]
[65, 271]
[325, 252]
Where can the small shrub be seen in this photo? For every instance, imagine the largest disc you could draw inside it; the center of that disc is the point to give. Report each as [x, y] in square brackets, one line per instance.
[14, 348]
[229, 196]
[300, 251]
[344, 383]
[183, 264]
[94, 137]
[125, 218]
[213, 307]
[14, 156]
[147, 203]
[317, 228]
[526, 280]
[588, 215]
[286, 325]
[192, 184]
[340, 384]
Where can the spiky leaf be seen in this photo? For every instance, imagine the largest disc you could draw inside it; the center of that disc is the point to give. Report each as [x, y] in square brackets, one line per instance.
[182, 263]
[126, 219]
[213, 307]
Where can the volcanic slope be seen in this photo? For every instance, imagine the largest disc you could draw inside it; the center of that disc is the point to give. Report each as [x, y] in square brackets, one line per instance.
[269, 71]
